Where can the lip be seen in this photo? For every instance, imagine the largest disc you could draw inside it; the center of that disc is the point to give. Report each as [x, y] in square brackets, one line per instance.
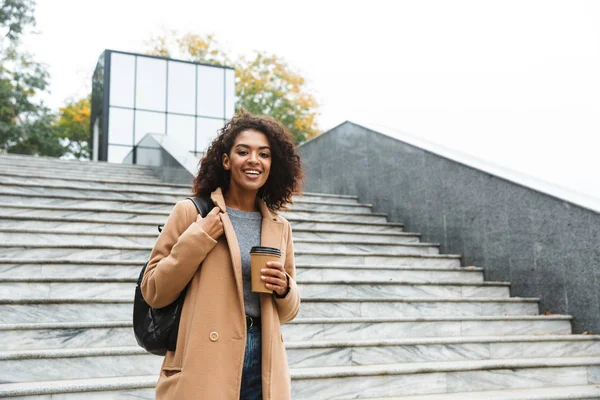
[252, 177]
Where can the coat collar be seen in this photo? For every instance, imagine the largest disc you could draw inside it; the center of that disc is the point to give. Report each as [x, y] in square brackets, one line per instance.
[271, 236]
[219, 201]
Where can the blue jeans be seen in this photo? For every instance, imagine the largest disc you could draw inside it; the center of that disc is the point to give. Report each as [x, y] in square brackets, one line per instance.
[252, 372]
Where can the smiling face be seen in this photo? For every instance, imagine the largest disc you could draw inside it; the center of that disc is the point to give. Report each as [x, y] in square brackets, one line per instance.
[249, 161]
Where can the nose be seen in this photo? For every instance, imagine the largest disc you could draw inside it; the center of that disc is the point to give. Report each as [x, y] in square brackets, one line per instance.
[253, 157]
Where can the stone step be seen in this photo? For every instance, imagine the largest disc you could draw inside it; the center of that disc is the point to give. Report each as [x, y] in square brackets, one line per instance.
[148, 179]
[46, 237]
[366, 248]
[86, 173]
[353, 236]
[77, 173]
[142, 388]
[13, 195]
[128, 188]
[441, 377]
[14, 161]
[66, 335]
[49, 365]
[408, 257]
[534, 378]
[383, 259]
[34, 190]
[99, 213]
[77, 363]
[42, 235]
[309, 354]
[414, 307]
[375, 273]
[383, 289]
[120, 309]
[50, 236]
[305, 329]
[571, 392]
[106, 288]
[145, 195]
[78, 334]
[77, 222]
[358, 227]
[137, 387]
[45, 268]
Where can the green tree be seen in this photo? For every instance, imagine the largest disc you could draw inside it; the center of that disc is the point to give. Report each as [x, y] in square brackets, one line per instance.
[265, 84]
[15, 15]
[73, 125]
[26, 124]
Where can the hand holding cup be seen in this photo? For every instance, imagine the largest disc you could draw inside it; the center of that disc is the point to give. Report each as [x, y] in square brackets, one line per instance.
[274, 277]
[268, 274]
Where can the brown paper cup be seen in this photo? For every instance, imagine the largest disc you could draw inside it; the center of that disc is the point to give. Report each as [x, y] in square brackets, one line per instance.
[259, 256]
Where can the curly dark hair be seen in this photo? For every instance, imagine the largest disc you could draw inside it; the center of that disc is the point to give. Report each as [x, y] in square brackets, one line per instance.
[286, 176]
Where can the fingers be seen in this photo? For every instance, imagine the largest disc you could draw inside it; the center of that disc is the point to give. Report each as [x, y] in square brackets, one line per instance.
[273, 274]
[275, 265]
[274, 277]
[211, 223]
[273, 283]
[274, 270]
[213, 213]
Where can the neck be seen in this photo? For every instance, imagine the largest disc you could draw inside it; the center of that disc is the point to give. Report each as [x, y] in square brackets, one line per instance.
[243, 201]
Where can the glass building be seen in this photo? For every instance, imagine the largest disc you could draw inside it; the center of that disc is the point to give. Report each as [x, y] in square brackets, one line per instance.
[137, 94]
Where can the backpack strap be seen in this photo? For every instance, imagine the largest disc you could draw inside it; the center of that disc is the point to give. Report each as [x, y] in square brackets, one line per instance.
[203, 205]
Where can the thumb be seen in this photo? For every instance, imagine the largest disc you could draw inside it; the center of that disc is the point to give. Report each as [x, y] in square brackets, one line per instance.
[215, 211]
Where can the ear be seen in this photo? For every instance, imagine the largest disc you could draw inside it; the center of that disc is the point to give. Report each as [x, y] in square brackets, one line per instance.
[226, 162]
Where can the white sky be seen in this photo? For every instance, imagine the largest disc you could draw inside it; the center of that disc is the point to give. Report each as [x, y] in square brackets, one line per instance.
[516, 83]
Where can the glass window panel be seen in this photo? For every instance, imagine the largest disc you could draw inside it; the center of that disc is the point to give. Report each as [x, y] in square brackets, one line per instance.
[182, 87]
[210, 91]
[207, 130]
[151, 84]
[120, 126]
[148, 122]
[182, 128]
[116, 154]
[229, 93]
[122, 73]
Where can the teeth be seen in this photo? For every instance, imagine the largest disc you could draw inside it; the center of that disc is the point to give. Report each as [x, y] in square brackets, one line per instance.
[252, 172]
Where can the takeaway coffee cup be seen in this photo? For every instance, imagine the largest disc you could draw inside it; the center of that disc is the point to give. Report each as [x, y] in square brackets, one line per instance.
[259, 256]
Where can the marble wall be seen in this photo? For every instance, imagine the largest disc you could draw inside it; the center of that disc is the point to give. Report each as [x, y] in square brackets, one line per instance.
[546, 247]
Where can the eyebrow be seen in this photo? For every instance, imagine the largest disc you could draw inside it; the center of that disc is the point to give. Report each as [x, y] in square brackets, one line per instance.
[246, 146]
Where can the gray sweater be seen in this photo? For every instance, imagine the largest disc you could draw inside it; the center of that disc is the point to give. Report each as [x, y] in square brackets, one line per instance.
[247, 227]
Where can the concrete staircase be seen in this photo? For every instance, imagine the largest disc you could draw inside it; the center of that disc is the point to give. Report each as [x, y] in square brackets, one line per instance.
[383, 314]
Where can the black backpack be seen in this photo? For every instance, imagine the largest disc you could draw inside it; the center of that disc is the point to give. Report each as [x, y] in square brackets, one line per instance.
[156, 329]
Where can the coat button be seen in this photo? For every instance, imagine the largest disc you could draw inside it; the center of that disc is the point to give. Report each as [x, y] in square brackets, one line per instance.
[214, 336]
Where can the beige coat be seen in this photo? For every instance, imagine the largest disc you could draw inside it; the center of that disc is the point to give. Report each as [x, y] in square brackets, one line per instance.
[208, 360]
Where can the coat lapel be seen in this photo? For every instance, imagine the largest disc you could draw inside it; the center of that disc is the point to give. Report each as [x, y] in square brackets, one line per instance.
[271, 236]
[271, 229]
[232, 244]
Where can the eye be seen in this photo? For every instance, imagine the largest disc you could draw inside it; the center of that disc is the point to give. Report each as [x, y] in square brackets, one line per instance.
[242, 152]
[265, 155]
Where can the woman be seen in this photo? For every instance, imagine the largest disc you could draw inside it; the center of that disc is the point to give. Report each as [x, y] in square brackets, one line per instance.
[229, 344]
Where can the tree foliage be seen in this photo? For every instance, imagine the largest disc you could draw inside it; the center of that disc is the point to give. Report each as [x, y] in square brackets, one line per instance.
[26, 124]
[15, 16]
[73, 126]
[265, 84]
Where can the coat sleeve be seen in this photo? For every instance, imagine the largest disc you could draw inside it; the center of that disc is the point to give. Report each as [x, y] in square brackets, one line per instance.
[177, 254]
[288, 307]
